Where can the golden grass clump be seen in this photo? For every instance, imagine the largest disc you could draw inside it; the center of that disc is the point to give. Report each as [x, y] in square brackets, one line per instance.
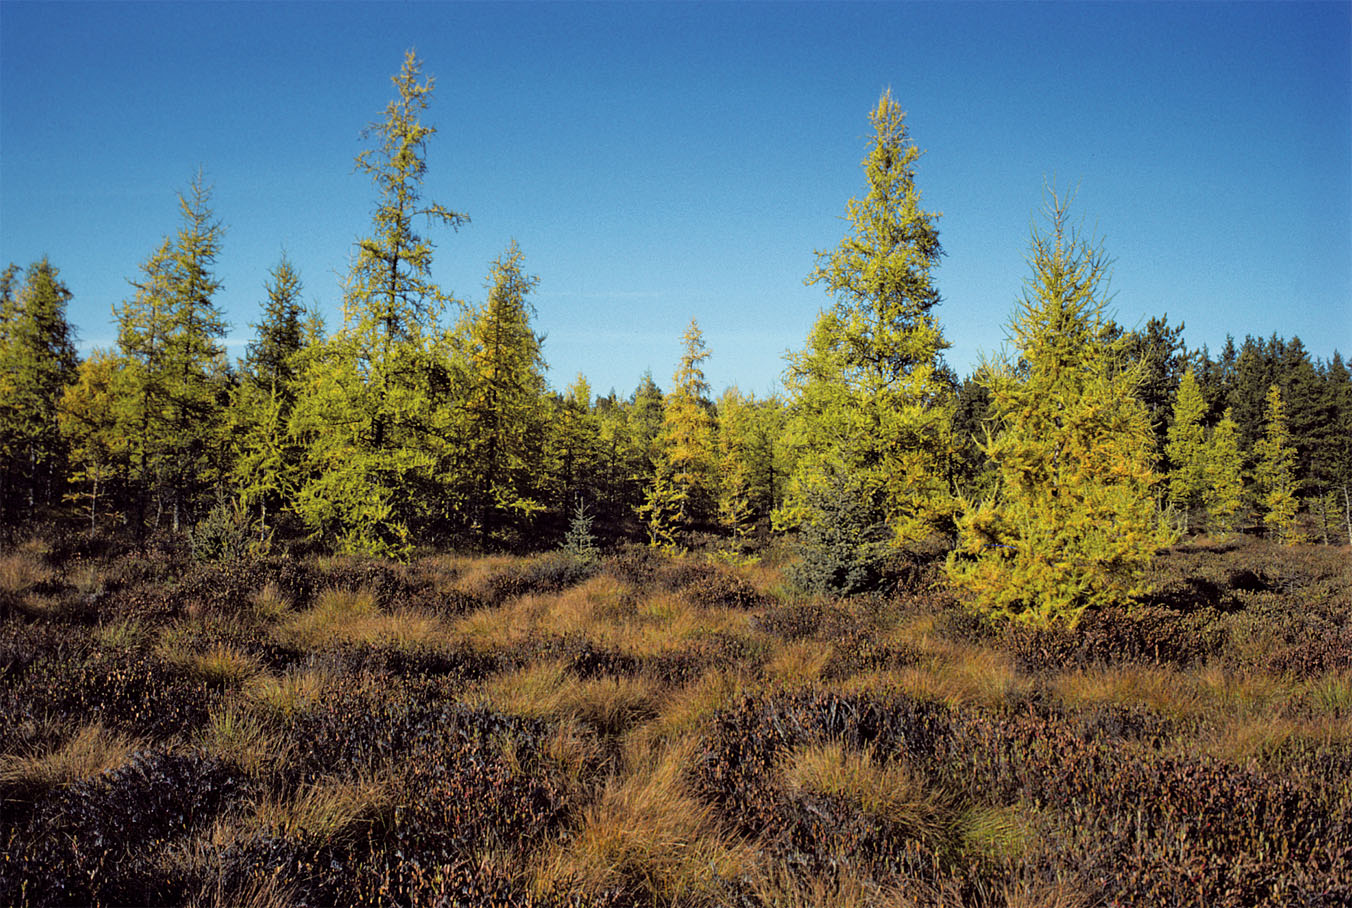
[346, 616]
[270, 603]
[647, 833]
[886, 791]
[92, 750]
[21, 570]
[294, 692]
[235, 734]
[800, 662]
[1163, 690]
[326, 810]
[546, 689]
[681, 710]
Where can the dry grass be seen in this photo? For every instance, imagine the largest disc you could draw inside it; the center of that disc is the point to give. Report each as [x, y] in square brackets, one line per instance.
[92, 750]
[235, 734]
[270, 603]
[799, 663]
[1043, 894]
[646, 832]
[326, 810]
[345, 616]
[23, 569]
[296, 691]
[885, 791]
[1163, 690]
[680, 711]
[1264, 739]
[547, 690]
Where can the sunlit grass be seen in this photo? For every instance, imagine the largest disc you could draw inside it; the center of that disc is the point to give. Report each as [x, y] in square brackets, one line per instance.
[325, 810]
[886, 791]
[547, 690]
[647, 832]
[90, 751]
[234, 733]
[295, 691]
[347, 616]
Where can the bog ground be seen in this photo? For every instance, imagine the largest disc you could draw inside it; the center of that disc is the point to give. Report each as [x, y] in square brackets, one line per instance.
[648, 730]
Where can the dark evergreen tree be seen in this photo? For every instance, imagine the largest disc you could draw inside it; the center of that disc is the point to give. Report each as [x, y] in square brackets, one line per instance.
[37, 362]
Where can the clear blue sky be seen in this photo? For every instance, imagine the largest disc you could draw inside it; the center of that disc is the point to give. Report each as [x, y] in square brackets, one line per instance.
[657, 162]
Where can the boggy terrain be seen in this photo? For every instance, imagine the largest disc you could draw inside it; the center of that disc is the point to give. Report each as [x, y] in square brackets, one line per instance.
[646, 730]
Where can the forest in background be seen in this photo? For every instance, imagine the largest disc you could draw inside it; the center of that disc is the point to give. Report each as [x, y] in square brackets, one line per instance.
[1051, 475]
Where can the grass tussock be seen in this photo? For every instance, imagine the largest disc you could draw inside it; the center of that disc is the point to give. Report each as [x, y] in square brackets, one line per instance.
[609, 705]
[296, 691]
[886, 791]
[326, 811]
[647, 834]
[1158, 688]
[89, 752]
[21, 570]
[237, 734]
[353, 616]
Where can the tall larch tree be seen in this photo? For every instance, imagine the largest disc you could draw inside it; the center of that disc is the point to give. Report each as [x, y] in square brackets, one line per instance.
[96, 443]
[196, 379]
[504, 411]
[372, 407]
[174, 385]
[37, 363]
[1225, 497]
[1186, 450]
[1073, 523]
[266, 466]
[1274, 471]
[869, 410]
[688, 456]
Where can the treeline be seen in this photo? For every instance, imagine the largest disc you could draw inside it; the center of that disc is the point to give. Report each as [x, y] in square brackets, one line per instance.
[1054, 472]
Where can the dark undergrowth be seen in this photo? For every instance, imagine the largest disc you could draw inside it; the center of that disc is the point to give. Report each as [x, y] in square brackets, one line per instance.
[647, 730]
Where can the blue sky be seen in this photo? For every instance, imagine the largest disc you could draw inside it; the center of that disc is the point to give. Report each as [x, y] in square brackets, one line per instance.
[658, 162]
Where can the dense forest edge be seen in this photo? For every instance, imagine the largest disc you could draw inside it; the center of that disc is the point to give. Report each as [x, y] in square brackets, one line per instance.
[373, 616]
[424, 422]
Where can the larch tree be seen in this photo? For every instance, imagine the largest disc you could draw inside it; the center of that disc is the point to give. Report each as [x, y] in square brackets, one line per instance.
[97, 447]
[1274, 471]
[504, 410]
[575, 461]
[371, 410]
[869, 411]
[1073, 523]
[173, 386]
[1187, 452]
[686, 479]
[37, 363]
[1225, 497]
[266, 466]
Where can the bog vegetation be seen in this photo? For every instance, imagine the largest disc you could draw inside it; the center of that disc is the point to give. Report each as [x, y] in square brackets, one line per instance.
[375, 616]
